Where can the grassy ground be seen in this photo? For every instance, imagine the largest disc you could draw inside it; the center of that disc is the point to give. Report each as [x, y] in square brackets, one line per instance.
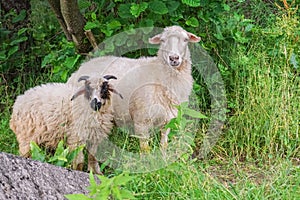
[258, 155]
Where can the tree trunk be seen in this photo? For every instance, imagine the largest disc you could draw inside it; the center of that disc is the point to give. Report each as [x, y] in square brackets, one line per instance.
[72, 22]
[55, 5]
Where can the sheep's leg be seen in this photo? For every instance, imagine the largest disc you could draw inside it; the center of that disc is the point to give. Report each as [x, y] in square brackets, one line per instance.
[24, 150]
[141, 132]
[164, 138]
[93, 164]
[164, 141]
[78, 162]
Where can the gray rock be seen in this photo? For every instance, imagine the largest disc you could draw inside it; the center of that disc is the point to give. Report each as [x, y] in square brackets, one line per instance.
[22, 178]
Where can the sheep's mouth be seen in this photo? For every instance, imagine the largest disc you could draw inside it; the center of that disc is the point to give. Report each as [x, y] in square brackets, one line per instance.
[174, 63]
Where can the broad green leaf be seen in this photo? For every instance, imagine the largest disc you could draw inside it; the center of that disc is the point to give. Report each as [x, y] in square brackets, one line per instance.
[116, 193]
[158, 7]
[120, 41]
[192, 3]
[3, 55]
[122, 179]
[113, 24]
[107, 31]
[109, 47]
[91, 25]
[104, 180]
[124, 11]
[36, 152]
[93, 185]
[219, 34]
[103, 194]
[126, 194]
[19, 17]
[21, 31]
[70, 62]
[146, 23]
[77, 197]
[173, 124]
[193, 21]
[152, 51]
[84, 4]
[47, 59]
[60, 148]
[64, 75]
[105, 164]
[226, 7]
[93, 15]
[12, 50]
[194, 113]
[172, 5]
[137, 9]
[74, 153]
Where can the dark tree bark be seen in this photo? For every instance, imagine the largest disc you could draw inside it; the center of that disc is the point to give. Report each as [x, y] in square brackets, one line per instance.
[22, 178]
[72, 22]
[55, 5]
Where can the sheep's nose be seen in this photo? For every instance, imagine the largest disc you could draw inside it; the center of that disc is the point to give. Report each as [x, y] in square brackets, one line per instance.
[174, 60]
[95, 104]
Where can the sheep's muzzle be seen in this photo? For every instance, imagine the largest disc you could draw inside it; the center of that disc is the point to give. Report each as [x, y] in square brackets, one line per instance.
[95, 104]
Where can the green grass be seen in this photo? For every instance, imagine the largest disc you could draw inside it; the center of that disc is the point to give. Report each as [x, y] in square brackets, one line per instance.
[258, 155]
[215, 180]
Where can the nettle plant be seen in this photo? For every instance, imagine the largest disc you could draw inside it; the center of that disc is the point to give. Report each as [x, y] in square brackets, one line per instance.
[108, 188]
[62, 157]
[180, 125]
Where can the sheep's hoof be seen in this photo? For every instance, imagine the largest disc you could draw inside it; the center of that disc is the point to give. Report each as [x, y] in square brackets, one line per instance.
[78, 167]
[144, 146]
[163, 150]
[145, 150]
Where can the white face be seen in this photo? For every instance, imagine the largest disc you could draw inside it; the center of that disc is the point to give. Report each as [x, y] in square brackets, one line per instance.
[174, 44]
[174, 48]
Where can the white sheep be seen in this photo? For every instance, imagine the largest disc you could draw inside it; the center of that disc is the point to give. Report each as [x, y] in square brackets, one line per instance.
[148, 83]
[46, 114]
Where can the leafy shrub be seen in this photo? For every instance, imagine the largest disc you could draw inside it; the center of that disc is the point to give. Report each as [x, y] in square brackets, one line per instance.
[109, 188]
[62, 157]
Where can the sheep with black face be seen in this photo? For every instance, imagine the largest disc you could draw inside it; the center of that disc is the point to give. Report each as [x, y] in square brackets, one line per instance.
[46, 114]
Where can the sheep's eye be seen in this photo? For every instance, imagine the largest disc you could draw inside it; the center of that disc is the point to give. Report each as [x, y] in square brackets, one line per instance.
[186, 40]
[162, 40]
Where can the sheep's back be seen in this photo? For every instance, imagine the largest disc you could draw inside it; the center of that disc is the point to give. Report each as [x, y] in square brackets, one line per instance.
[133, 73]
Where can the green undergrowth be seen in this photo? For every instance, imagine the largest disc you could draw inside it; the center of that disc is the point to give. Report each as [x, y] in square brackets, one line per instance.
[256, 48]
[219, 180]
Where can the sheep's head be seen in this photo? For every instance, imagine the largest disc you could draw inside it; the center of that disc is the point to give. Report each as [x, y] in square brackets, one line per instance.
[174, 44]
[97, 93]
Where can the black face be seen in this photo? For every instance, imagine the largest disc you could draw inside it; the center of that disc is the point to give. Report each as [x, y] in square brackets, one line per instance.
[95, 104]
[104, 93]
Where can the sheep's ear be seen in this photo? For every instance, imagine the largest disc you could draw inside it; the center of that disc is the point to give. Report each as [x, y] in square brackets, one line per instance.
[193, 38]
[80, 91]
[116, 92]
[155, 39]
